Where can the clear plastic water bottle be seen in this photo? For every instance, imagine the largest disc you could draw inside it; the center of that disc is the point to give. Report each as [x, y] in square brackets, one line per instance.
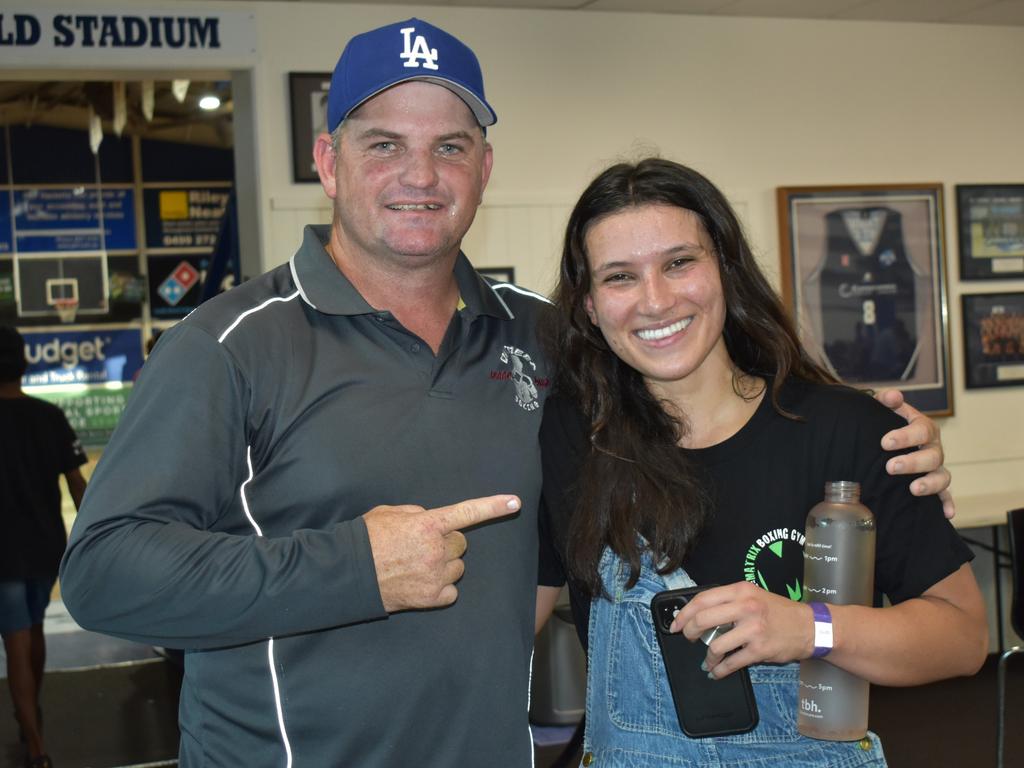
[839, 569]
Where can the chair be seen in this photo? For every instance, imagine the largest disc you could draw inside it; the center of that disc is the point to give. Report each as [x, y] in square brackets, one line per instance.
[1015, 528]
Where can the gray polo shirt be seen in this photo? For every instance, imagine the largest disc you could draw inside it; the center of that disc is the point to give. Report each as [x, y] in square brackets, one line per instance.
[226, 510]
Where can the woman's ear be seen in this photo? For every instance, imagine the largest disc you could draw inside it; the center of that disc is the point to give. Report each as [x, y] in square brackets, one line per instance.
[588, 304]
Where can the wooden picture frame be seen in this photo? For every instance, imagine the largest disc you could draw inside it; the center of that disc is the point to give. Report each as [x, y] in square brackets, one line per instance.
[993, 339]
[864, 275]
[990, 230]
[307, 95]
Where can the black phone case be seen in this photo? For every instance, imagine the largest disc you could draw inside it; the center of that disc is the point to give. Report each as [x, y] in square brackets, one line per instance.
[705, 707]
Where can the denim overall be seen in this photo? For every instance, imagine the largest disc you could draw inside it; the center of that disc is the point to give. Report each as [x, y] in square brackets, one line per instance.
[631, 718]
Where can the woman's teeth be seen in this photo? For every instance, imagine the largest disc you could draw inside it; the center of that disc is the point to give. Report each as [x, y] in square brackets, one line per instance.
[662, 333]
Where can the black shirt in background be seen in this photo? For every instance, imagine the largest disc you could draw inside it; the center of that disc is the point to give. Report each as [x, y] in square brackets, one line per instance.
[37, 446]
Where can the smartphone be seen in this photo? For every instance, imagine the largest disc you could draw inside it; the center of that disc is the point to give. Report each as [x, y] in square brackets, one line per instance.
[705, 707]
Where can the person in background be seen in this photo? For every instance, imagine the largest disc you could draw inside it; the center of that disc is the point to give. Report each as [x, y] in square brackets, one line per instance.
[148, 350]
[321, 434]
[687, 437]
[37, 446]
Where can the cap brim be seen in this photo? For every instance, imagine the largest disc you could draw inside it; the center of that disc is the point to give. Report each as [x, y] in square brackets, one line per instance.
[481, 109]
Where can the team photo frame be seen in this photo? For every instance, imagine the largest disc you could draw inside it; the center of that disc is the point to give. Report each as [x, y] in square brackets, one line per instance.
[993, 339]
[990, 230]
[307, 95]
[863, 273]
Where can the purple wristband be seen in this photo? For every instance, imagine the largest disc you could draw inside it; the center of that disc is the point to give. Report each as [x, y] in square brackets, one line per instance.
[822, 630]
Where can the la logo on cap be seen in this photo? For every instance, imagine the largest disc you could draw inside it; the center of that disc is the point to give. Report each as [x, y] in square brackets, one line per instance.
[417, 49]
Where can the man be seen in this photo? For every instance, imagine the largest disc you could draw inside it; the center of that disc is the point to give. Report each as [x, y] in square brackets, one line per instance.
[37, 446]
[375, 371]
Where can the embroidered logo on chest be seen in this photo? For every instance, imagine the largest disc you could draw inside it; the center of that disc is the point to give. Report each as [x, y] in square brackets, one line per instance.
[520, 370]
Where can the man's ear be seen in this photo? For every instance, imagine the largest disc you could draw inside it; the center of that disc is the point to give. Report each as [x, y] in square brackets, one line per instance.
[488, 162]
[326, 160]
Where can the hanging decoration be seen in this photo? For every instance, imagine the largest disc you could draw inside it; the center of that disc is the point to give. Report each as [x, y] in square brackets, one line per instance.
[178, 89]
[95, 131]
[147, 100]
[120, 109]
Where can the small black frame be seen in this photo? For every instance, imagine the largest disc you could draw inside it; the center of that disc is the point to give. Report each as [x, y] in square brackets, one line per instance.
[990, 227]
[308, 98]
[993, 339]
[501, 274]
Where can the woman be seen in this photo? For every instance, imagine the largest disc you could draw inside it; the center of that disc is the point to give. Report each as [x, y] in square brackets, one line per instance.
[689, 436]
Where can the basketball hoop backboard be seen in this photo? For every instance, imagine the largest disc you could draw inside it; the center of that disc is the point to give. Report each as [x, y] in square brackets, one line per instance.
[44, 284]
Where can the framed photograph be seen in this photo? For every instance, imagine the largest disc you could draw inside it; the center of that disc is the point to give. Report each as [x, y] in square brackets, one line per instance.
[308, 99]
[990, 225]
[993, 339]
[501, 274]
[864, 274]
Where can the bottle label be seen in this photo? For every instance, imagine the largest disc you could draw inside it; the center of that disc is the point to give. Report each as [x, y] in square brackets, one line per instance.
[809, 708]
[820, 592]
[839, 554]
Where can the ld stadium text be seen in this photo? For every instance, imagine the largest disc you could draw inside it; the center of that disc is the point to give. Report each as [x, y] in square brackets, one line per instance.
[92, 31]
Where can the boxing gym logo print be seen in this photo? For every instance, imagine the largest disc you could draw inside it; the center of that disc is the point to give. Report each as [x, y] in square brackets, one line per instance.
[775, 562]
[525, 385]
[416, 49]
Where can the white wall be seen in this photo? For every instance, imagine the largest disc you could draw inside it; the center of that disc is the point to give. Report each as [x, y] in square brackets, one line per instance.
[753, 103]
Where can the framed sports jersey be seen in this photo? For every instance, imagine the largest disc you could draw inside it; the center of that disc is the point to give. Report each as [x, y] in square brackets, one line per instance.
[864, 274]
[993, 339]
[990, 225]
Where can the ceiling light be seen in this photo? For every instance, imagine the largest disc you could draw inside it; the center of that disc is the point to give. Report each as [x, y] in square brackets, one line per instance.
[209, 102]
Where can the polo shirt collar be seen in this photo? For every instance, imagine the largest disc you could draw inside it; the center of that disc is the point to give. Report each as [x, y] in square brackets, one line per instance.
[325, 287]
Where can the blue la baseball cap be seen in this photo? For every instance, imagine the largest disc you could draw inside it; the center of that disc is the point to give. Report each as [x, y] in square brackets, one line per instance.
[408, 50]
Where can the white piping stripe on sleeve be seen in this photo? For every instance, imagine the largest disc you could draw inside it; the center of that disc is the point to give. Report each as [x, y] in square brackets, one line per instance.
[520, 291]
[298, 283]
[502, 302]
[257, 308]
[241, 492]
[270, 640]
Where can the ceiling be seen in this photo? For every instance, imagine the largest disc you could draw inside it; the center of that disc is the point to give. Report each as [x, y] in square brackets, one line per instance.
[997, 12]
[66, 104]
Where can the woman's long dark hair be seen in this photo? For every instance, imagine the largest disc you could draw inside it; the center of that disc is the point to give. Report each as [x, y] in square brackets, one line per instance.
[635, 480]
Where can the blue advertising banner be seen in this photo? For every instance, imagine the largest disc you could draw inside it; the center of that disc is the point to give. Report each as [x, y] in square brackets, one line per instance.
[82, 357]
[67, 219]
[5, 221]
[184, 217]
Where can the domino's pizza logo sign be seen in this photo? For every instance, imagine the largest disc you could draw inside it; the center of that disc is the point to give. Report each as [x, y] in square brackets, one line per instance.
[178, 283]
